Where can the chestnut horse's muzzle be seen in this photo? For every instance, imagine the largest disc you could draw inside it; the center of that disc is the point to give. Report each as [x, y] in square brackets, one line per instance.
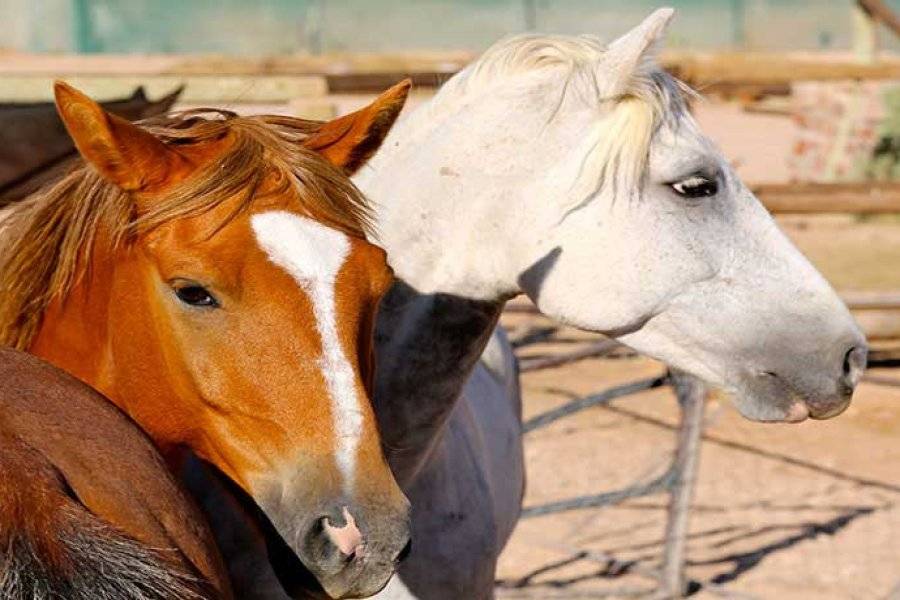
[351, 550]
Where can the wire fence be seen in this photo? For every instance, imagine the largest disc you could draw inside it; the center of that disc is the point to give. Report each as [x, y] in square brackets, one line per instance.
[676, 482]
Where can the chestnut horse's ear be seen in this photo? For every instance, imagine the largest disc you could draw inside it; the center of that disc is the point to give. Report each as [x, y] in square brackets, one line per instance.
[349, 141]
[123, 153]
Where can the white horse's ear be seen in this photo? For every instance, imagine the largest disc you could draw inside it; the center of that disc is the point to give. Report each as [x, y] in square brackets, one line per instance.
[634, 54]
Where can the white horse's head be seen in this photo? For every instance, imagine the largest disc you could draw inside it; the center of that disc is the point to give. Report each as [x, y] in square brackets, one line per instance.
[573, 172]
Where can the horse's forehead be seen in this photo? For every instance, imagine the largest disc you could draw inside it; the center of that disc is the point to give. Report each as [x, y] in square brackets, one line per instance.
[197, 156]
[313, 254]
[312, 251]
[679, 143]
[309, 251]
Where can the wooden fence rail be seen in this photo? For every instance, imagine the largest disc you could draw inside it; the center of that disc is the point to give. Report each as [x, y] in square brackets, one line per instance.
[827, 198]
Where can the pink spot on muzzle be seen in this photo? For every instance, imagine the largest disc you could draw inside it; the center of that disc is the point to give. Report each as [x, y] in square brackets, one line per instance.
[348, 538]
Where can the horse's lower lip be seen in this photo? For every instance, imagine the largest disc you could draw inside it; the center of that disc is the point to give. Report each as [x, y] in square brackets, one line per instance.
[797, 412]
[802, 407]
[831, 412]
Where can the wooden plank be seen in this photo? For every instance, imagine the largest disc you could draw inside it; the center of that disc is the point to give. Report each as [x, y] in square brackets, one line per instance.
[884, 351]
[865, 34]
[692, 399]
[729, 73]
[199, 64]
[199, 89]
[591, 350]
[774, 68]
[881, 12]
[878, 313]
[856, 300]
[881, 300]
[356, 83]
[319, 109]
[879, 324]
[810, 198]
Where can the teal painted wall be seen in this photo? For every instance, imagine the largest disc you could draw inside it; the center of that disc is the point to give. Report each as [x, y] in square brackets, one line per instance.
[247, 27]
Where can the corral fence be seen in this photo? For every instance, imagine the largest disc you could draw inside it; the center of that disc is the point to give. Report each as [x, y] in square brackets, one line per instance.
[678, 479]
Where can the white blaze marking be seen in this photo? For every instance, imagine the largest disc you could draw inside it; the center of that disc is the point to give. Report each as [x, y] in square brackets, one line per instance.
[313, 255]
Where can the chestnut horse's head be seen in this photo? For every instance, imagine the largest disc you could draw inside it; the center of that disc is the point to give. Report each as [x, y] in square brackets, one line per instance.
[210, 274]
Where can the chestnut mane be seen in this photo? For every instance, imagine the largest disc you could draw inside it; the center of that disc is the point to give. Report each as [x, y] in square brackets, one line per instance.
[46, 241]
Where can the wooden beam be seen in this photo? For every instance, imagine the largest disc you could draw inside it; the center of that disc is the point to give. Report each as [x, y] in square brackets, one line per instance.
[878, 314]
[199, 89]
[885, 300]
[591, 350]
[865, 34]
[812, 198]
[727, 73]
[882, 13]
[692, 399]
[879, 324]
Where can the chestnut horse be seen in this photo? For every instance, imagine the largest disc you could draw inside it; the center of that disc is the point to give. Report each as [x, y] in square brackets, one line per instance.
[87, 505]
[209, 274]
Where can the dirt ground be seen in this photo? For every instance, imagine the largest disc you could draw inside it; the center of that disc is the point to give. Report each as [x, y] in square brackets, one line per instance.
[808, 511]
[805, 511]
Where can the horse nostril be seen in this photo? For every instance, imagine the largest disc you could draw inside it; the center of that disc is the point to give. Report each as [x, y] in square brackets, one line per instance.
[854, 365]
[347, 537]
[405, 552]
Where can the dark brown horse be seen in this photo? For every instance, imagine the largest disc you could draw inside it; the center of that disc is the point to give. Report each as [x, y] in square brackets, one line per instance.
[88, 508]
[35, 148]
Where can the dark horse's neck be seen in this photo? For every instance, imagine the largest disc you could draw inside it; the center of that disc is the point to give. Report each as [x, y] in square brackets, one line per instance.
[426, 348]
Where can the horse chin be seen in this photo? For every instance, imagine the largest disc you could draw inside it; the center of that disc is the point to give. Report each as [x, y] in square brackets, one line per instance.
[769, 400]
[355, 585]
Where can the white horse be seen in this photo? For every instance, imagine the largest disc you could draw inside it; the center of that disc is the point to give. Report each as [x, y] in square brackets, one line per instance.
[572, 172]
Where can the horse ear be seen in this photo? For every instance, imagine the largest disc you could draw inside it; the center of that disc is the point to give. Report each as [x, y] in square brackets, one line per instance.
[349, 141]
[123, 153]
[634, 54]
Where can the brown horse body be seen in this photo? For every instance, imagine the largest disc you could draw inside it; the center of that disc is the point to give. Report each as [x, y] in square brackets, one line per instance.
[209, 274]
[88, 508]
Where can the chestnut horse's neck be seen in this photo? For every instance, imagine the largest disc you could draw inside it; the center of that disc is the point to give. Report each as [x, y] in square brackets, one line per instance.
[75, 335]
[73, 330]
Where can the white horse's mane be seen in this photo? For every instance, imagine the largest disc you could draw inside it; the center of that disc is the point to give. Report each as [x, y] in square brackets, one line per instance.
[620, 142]
[578, 57]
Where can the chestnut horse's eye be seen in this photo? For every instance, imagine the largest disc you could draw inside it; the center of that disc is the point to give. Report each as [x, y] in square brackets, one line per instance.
[196, 295]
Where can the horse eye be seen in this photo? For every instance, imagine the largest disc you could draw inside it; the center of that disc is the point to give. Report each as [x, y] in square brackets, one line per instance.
[195, 295]
[696, 186]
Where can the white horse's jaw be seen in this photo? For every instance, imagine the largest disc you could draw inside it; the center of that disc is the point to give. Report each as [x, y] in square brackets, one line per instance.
[505, 184]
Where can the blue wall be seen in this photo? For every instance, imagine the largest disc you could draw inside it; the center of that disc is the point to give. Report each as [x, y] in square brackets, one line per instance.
[247, 27]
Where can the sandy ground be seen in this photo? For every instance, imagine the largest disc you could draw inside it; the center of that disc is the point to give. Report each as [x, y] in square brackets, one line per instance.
[806, 511]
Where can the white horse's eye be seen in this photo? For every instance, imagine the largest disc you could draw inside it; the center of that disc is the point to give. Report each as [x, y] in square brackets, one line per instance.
[696, 186]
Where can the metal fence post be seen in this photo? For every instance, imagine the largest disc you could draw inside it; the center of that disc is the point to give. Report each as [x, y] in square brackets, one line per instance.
[691, 397]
